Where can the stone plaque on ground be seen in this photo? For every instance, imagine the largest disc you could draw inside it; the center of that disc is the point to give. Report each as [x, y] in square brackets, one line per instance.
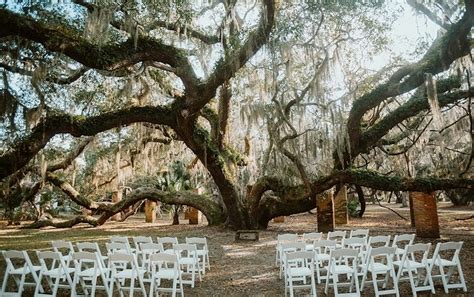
[247, 235]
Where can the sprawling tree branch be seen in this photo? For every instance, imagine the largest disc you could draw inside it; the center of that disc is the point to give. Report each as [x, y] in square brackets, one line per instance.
[411, 108]
[110, 57]
[61, 123]
[211, 208]
[233, 61]
[452, 45]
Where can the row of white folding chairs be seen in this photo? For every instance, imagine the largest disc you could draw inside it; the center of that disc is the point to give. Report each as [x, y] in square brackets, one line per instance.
[67, 248]
[357, 238]
[379, 261]
[66, 251]
[88, 268]
[310, 237]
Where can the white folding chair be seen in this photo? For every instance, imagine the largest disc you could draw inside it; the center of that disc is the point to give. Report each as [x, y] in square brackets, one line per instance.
[92, 247]
[66, 249]
[148, 249]
[356, 243]
[281, 238]
[413, 262]
[310, 238]
[343, 262]
[137, 240]
[374, 242]
[165, 266]
[18, 266]
[400, 242]
[364, 233]
[117, 247]
[88, 268]
[124, 267]
[124, 240]
[322, 249]
[287, 247]
[338, 236]
[379, 261]
[446, 255]
[168, 243]
[202, 251]
[188, 261]
[299, 266]
[54, 268]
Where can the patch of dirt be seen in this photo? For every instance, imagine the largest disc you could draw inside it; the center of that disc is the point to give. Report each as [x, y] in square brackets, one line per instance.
[248, 268]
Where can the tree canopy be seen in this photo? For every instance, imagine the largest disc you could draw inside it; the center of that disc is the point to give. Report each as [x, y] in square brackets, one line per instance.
[268, 104]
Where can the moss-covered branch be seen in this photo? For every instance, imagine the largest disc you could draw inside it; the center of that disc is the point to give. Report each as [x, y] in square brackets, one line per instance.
[447, 48]
[70, 42]
[60, 123]
[233, 61]
[411, 108]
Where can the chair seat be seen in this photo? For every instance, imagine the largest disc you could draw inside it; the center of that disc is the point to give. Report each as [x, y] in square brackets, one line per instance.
[399, 251]
[341, 269]
[413, 264]
[57, 272]
[187, 261]
[299, 271]
[21, 270]
[129, 273]
[322, 257]
[378, 267]
[442, 262]
[166, 273]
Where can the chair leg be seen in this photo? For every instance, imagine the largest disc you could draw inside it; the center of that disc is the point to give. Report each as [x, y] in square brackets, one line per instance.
[132, 286]
[4, 284]
[443, 278]
[328, 274]
[461, 277]
[290, 283]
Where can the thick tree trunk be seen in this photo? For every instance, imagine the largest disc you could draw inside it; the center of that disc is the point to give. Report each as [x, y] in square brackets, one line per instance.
[360, 194]
[340, 206]
[426, 215]
[325, 205]
[150, 211]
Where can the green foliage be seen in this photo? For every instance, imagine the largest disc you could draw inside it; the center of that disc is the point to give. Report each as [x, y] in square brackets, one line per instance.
[353, 207]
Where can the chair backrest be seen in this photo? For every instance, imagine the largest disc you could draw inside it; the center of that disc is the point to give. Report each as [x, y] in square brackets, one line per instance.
[292, 246]
[379, 241]
[121, 261]
[448, 250]
[148, 249]
[359, 233]
[84, 261]
[337, 235]
[16, 260]
[418, 252]
[310, 237]
[287, 237]
[138, 240]
[185, 250]
[117, 247]
[382, 255]
[343, 253]
[324, 246]
[165, 261]
[354, 243]
[402, 240]
[167, 242]
[52, 260]
[200, 242]
[64, 247]
[304, 255]
[88, 247]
